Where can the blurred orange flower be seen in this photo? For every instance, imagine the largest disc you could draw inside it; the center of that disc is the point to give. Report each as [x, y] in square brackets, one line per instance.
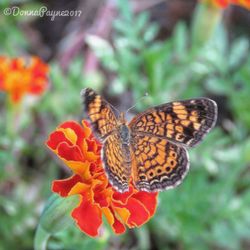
[77, 147]
[19, 77]
[225, 3]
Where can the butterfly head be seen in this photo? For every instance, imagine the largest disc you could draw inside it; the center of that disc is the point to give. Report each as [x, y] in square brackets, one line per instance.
[122, 120]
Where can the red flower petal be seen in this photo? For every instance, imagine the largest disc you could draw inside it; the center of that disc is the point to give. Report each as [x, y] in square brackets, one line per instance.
[122, 198]
[79, 131]
[222, 3]
[138, 214]
[63, 187]
[103, 197]
[69, 153]
[149, 200]
[56, 138]
[88, 217]
[117, 226]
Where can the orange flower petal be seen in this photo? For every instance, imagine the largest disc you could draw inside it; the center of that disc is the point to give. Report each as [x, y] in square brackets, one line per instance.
[80, 168]
[20, 77]
[123, 213]
[86, 128]
[80, 188]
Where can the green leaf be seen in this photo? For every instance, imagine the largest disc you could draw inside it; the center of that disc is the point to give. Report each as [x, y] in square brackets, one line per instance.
[56, 214]
[180, 39]
[239, 53]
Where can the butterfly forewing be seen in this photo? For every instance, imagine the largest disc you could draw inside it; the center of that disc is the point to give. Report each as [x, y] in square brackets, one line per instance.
[184, 122]
[101, 116]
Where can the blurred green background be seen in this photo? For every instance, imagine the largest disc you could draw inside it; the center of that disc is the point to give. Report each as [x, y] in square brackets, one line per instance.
[170, 49]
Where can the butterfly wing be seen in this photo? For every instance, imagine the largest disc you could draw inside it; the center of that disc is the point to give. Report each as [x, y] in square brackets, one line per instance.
[101, 116]
[157, 163]
[117, 163]
[115, 156]
[184, 122]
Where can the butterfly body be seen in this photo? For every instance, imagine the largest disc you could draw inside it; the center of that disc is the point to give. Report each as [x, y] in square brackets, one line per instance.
[150, 150]
[124, 131]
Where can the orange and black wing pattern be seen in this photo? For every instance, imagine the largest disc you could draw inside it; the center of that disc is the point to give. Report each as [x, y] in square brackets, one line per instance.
[157, 164]
[183, 122]
[116, 159]
[100, 114]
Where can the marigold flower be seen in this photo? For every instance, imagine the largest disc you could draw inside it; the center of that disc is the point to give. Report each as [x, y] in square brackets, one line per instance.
[77, 147]
[225, 3]
[19, 77]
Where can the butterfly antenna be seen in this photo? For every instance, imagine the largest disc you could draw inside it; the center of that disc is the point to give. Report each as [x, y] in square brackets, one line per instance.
[138, 100]
[114, 107]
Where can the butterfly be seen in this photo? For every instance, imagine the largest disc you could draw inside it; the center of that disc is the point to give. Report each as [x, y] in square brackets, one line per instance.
[152, 148]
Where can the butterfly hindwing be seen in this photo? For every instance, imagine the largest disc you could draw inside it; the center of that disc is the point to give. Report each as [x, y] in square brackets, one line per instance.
[157, 163]
[184, 122]
[116, 159]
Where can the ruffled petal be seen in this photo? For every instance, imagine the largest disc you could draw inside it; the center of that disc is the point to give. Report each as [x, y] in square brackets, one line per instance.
[138, 214]
[103, 197]
[56, 138]
[122, 198]
[69, 153]
[116, 224]
[69, 134]
[82, 133]
[149, 200]
[88, 217]
[63, 187]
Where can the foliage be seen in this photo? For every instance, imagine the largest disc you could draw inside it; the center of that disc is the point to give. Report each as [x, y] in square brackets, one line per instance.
[210, 210]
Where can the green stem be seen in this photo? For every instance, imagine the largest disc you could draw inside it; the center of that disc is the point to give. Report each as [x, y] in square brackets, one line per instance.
[10, 127]
[41, 238]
